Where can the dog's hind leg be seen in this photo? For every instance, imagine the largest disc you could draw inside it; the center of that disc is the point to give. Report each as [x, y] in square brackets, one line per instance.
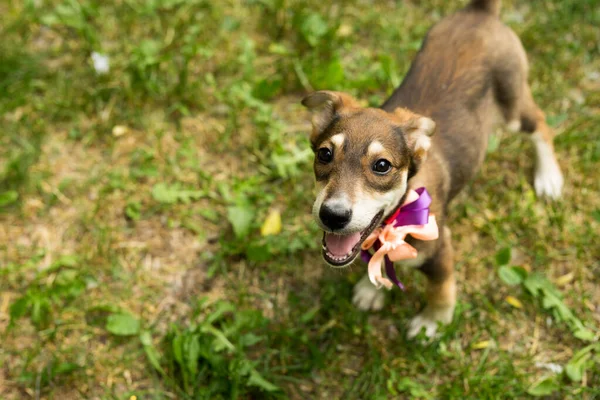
[521, 113]
[441, 290]
[548, 179]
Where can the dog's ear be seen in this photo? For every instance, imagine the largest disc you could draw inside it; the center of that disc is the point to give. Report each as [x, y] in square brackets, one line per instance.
[417, 131]
[325, 105]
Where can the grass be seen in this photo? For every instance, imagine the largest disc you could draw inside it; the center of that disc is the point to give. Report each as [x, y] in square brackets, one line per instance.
[132, 203]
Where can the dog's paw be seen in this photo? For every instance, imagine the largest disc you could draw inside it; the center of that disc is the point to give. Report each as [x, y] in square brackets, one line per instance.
[429, 319]
[548, 180]
[367, 297]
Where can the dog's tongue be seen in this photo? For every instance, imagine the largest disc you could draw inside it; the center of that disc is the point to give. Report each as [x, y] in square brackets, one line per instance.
[340, 245]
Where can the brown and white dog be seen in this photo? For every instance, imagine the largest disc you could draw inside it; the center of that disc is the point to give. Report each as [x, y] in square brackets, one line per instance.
[469, 67]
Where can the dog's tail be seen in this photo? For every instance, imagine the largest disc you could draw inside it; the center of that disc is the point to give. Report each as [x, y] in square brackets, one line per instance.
[489, 6]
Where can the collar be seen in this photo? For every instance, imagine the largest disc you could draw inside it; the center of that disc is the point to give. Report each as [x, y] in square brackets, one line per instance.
[413, 213]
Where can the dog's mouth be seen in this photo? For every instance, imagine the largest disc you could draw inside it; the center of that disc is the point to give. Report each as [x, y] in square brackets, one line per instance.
[341, 250]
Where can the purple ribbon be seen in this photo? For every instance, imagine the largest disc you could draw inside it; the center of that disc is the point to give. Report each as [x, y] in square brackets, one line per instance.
[414, 213]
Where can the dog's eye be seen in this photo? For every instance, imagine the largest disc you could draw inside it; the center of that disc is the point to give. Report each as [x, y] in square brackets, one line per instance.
[382, 166]
[324, 155]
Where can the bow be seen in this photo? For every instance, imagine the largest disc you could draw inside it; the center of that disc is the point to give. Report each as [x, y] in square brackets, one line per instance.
[411, 218]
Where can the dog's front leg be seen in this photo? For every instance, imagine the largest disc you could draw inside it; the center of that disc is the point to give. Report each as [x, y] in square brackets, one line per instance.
[367, 296]
[441, 290]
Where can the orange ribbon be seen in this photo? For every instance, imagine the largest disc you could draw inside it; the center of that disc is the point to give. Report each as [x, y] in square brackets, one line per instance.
[394, 246]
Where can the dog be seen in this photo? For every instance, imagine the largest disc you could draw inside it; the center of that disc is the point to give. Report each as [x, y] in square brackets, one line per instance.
[431, 132]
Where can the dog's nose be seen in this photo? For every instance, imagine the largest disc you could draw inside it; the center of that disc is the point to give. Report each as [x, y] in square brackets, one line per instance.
[335, 217]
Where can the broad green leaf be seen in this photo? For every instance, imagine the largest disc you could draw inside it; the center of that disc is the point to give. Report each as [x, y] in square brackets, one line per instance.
[334, 72]
[123, 324]
[247, 319]
[509, 275]
[493, 143]
[309, 315]
[133, 210]
[256, 379]
[65, 261]
[210, 215]
[177, 346]
[313, 28]
[390, 67]
[415, 389]
[584, 334]
[279, 49]
[533, 283]
[41, 310]
[551, 299]
[150, 350]
[65, 368]
[148, 51]
[521, 271]
[221, 342]
[266, 88]
[503, 256]
[250, 339]
[221, 308]
[66, 276]
[579, 362]
[8, 197]
[258, 252]
[391, 384]
[290, 163]
[50, 19]
[544, 387]
[191, 352]
[557, 119]
[240, 218]
[230, 24]
[171, 194]
[576, 367]
[331, 75]
[241, 366]
[19, 308]
[146, 338]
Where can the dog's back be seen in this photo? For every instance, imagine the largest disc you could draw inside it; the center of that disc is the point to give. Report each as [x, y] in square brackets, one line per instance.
[453, 64]
[469, 66]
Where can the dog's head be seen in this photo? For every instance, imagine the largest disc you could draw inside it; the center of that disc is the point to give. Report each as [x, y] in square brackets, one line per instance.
[363, 160]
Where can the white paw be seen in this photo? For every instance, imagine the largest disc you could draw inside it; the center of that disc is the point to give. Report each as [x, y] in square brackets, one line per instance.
[514, 125]
[429, 319]
[548, 180]
[367, 296]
